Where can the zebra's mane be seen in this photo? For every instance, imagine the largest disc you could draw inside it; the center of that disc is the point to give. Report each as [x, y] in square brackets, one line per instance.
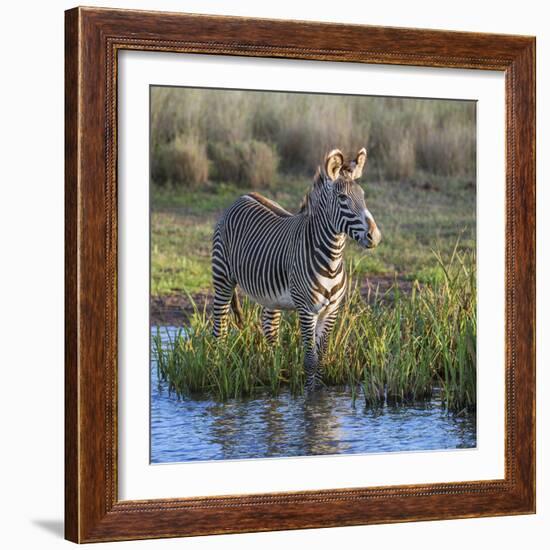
[309, 200]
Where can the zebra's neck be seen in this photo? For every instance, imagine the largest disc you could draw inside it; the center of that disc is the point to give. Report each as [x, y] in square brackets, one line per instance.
[327, 245]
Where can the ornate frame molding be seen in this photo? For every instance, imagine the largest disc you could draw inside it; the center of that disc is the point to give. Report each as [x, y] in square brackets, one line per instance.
[93, 38]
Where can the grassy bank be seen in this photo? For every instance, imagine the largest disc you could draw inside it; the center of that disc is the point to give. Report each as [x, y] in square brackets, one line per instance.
[393, 351]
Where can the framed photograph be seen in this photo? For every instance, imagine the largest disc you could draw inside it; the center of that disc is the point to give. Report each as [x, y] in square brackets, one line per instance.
[300, 275]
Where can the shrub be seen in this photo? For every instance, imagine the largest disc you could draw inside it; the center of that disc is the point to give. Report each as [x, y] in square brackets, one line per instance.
[315, 125]
[401, 162]
[248, 163]
[267, 121]
[181, 162]
[393, 139]
[448, 150]
[299, 148]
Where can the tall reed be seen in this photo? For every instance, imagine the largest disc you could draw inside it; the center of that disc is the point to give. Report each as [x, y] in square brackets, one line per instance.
[390, 348]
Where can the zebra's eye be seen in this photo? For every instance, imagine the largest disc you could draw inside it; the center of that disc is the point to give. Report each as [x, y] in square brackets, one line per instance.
[342, 196]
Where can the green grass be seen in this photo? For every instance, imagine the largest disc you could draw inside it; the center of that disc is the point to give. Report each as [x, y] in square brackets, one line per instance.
[415, 217]
[394, 350]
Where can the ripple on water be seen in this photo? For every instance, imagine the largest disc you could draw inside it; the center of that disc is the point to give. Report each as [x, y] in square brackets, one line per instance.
[283, 426]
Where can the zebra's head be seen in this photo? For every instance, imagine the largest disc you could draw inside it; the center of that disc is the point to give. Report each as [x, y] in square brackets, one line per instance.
[346, 199]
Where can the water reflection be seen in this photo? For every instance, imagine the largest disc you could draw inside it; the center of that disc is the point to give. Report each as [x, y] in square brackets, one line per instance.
[286, 426]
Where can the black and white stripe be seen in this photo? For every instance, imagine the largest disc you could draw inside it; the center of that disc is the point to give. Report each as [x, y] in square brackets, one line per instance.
[286, 261]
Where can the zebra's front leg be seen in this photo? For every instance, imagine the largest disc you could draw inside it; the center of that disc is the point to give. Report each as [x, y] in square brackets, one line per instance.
[271, 319]
[308, 324]
[325, 324]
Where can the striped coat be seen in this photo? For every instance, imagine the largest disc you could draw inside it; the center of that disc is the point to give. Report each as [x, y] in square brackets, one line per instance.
[294, 261]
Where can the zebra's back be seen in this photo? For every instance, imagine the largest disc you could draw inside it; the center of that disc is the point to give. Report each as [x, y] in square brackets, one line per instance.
[256, 236]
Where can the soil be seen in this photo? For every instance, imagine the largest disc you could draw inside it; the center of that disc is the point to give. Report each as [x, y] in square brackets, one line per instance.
[176, 309]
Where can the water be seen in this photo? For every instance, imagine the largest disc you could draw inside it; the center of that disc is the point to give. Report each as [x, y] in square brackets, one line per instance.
[285, 426]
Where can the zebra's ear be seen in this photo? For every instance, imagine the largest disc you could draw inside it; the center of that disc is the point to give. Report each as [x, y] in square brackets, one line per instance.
[333, 163]
[360, 162]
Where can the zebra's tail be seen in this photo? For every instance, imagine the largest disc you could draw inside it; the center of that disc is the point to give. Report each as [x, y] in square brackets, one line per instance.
[237, 310]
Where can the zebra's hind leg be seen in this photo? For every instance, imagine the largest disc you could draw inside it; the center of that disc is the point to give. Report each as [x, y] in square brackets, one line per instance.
[271, 319]
[222, 304]
[308, 323]
[224, 285]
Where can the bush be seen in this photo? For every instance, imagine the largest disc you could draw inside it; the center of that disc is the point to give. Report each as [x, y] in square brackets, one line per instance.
[247, 163]
[299, 149]
[448, 151]
[401, 163]
[181, 162]
[315, 125]
[267, 122]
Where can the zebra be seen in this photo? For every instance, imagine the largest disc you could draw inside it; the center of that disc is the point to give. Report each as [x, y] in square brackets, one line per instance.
[287, 261]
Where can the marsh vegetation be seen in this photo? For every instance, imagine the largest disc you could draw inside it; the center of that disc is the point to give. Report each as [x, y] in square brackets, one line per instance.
[394, 348]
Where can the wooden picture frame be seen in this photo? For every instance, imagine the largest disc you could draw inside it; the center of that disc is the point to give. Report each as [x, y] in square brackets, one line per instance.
[93, 511]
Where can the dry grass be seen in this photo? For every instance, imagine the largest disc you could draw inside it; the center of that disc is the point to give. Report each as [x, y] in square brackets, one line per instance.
[403, 135]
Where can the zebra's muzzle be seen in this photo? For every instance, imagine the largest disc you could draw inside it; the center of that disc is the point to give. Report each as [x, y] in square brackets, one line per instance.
[372, 238]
